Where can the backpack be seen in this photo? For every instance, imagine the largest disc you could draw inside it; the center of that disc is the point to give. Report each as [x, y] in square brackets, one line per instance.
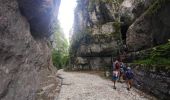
[122, 68]
[117, 66]
[129, 74]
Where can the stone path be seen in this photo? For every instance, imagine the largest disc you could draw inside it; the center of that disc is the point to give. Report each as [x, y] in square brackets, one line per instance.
[83, 86]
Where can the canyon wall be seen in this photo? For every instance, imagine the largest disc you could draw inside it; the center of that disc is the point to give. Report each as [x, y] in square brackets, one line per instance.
[103, 30]
[131, 30]
[94, 37]
[25, 54]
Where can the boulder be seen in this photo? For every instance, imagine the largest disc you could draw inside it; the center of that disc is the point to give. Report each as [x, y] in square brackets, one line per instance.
[132, 9]
[150, 29]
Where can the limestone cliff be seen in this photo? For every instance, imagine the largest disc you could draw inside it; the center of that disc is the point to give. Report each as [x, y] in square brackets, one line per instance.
[95, 34]
[151, 28]
[99, 34]
[132, 28]
[25, 55]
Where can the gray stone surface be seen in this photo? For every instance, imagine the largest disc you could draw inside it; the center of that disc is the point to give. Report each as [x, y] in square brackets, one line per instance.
[25, 63]
[149, 29]
[94, 32]
[132, 9]
[41, 15]
[152, 80]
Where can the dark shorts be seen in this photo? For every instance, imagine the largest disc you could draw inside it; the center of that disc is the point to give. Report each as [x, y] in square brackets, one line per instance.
[114, 78]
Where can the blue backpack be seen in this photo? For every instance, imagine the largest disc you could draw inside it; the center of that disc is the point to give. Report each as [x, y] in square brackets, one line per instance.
[129, 74]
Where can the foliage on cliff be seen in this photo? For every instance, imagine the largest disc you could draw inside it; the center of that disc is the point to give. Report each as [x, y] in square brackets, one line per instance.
[153, 9]
[60, 52]
[159, 55]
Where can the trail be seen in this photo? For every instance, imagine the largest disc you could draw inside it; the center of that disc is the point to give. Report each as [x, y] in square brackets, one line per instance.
[83, 86]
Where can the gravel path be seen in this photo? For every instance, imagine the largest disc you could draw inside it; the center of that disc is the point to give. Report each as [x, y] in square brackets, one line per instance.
[83, 86]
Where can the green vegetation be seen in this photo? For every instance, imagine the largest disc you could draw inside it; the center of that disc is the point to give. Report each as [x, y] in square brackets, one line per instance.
[60, 59]
[60, 55]
[117, 33]
[159, 55]
[153, 9]
[92, 3]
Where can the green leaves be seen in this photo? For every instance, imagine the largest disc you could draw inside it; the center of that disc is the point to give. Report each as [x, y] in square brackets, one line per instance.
[60, 59]
[159, 55]
[60, 55]
[153, 9]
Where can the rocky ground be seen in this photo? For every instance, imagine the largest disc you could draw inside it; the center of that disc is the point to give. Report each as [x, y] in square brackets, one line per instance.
[83, 86]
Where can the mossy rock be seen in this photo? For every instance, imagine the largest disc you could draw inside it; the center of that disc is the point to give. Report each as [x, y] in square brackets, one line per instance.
[159, 55]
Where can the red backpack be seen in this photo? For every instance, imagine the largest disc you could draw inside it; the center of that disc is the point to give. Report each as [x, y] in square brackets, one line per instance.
[117, 66]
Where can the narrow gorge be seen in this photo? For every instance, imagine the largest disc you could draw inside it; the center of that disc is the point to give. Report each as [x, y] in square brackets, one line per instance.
[136, 32]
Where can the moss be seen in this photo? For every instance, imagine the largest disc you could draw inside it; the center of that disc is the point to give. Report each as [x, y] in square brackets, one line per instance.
[91, 5]
[117, 27]
[159, 55]
[154, 61]
[99, 36]
[93, 2]
[153, 9]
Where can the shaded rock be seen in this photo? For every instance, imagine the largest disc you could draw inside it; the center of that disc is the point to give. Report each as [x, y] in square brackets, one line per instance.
[25, 62]
[92, 63]
[132, 9]
[150, 29]
[41, 14]
[94, 33]
[150, 79]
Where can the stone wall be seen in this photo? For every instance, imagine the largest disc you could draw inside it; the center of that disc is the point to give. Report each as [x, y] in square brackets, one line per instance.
[25, 61]
[97, 32]
[152, 79]
[94, 35]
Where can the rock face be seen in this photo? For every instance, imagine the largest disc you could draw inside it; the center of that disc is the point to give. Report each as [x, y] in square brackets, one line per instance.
[132, 9]
[144, 24]
[41, 14]
[150, 29]
[95, 37]
[98, 37]
[154, 79]
[25, 62]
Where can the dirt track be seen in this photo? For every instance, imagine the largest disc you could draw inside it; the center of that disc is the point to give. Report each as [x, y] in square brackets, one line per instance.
[83, 86]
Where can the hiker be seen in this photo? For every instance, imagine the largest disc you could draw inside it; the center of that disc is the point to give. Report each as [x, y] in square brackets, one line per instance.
[115, 77]
[122, 71]
[117, 65]
[117, 68]
[129, 78]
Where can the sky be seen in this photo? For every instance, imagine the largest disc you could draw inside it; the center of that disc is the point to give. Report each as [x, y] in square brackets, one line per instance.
[66, 15]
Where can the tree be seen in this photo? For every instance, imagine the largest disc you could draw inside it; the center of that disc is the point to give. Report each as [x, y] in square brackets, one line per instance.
[60, 48]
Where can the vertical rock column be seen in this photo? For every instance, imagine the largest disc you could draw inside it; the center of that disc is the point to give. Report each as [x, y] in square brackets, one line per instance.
[25, 60]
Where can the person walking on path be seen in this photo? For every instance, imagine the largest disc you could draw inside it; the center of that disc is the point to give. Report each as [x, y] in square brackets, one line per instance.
[129, 78]
[115, 77]
[123, 69]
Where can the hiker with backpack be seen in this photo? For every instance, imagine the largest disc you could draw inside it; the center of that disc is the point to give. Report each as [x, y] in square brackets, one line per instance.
[115, 77]
[129, 78]
[123, 69]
